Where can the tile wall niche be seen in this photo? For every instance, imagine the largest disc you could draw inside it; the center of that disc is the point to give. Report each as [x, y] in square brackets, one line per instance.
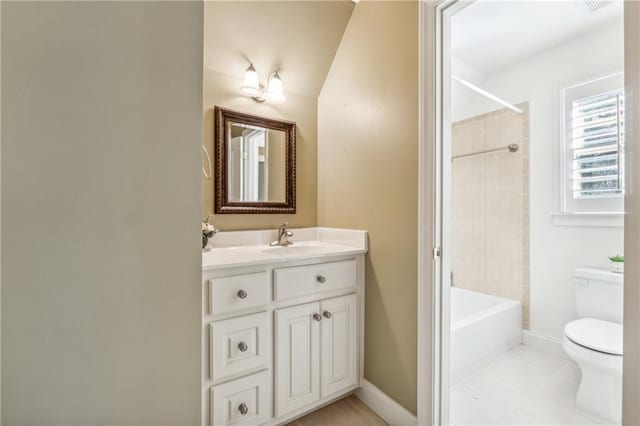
[490, 227]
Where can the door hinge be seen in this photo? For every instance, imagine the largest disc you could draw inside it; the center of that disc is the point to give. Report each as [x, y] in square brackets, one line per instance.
[436, 253]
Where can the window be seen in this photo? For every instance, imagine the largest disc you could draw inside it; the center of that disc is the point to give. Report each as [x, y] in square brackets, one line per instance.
[594, 146]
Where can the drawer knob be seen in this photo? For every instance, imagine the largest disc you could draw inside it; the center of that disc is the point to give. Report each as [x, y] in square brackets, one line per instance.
[321, 279]
[243, 408]
[327, 314]
[242, 294]
[317, 317]
[242, 347]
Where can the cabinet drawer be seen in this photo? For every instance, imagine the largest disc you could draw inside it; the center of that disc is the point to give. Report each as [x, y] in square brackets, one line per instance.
[303, 280]
[238, 292]
[238, 345]
[245, 401]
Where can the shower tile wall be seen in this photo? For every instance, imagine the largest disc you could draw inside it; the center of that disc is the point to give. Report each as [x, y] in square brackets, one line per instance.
[490, 226]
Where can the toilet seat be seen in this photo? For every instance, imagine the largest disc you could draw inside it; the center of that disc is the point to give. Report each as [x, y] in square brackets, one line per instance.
[597, 335]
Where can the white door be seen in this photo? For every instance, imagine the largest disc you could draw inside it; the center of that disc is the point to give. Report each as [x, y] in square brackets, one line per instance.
[253, 139]
[339, 342]
[297, 374]
[234, 188]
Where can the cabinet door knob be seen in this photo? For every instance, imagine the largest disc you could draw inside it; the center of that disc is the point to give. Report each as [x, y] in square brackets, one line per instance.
[243, 408]
[321, 279]
[327, 314]
[317, 317]
[242, 347]
[242, 294]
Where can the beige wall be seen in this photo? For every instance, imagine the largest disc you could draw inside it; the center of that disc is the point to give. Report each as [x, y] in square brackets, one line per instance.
[0, 216]
[631, 359]
[368, 178]
[102, 126]
[300, 40]
[223, 90]
[490, 205]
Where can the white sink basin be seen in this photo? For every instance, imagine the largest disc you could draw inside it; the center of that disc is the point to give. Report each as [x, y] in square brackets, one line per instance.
[240, 248]
[293, 250]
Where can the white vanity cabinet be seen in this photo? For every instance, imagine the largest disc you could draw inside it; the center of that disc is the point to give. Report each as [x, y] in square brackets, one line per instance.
[281, 336]
[316, 352]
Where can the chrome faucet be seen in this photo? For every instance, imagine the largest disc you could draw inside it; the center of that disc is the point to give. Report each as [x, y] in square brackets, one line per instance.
[283, 236]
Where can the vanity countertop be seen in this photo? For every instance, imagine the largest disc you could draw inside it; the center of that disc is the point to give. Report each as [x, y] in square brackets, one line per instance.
[247, 248]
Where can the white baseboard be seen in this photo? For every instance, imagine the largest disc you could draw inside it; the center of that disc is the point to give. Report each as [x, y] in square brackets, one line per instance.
[543, 342]
[385, 407]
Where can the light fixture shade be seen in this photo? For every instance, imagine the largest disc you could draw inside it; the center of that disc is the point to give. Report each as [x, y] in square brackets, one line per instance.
[251, 85]
[274, 89]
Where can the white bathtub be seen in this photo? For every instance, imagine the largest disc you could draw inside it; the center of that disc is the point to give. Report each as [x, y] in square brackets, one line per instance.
[482, 326]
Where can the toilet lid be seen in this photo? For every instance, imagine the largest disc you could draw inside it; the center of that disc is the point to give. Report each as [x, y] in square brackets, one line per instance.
[601, 336]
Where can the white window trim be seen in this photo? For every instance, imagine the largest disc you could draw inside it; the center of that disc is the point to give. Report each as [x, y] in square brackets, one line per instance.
[562, 216]
[599, 219]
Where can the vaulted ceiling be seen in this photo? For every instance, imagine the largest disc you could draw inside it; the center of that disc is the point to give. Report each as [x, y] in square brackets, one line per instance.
[299, 38]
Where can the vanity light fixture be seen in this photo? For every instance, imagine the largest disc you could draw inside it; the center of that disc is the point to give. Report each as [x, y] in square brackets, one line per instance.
[251, 86]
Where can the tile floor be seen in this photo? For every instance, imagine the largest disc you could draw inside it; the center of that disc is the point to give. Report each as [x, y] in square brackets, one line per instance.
[349, 411]
[524, 386]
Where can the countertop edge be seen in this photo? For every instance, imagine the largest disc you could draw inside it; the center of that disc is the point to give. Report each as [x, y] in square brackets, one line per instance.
[250, 263]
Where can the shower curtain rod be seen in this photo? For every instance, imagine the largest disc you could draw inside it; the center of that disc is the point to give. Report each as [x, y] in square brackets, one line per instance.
[514, 147]
[486, 94]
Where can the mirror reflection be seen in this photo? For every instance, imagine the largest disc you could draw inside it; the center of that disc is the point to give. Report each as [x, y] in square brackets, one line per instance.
[256, 163]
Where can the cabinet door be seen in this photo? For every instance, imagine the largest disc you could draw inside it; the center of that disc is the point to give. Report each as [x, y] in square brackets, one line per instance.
[297, 372]
[339, 338]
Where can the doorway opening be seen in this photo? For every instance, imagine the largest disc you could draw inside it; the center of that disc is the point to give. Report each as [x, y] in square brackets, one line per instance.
[530, 135]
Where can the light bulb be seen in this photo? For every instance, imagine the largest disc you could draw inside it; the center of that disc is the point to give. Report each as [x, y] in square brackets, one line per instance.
[274, 89]
[251, 85]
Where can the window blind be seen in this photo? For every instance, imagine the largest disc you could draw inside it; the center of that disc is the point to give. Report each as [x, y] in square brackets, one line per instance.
[597, 145]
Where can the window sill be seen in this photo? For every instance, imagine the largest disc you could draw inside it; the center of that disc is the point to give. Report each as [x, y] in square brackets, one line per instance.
[608, 220]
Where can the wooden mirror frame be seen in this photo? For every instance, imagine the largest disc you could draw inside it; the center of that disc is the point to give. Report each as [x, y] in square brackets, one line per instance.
[222, 117]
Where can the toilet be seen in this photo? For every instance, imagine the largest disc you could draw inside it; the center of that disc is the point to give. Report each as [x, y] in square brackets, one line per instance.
[594, 341]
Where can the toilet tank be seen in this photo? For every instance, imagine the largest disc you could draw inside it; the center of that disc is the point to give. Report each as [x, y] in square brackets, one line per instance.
[599, 294]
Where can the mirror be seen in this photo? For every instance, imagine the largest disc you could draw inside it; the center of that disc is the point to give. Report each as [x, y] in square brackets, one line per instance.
[255, 164]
